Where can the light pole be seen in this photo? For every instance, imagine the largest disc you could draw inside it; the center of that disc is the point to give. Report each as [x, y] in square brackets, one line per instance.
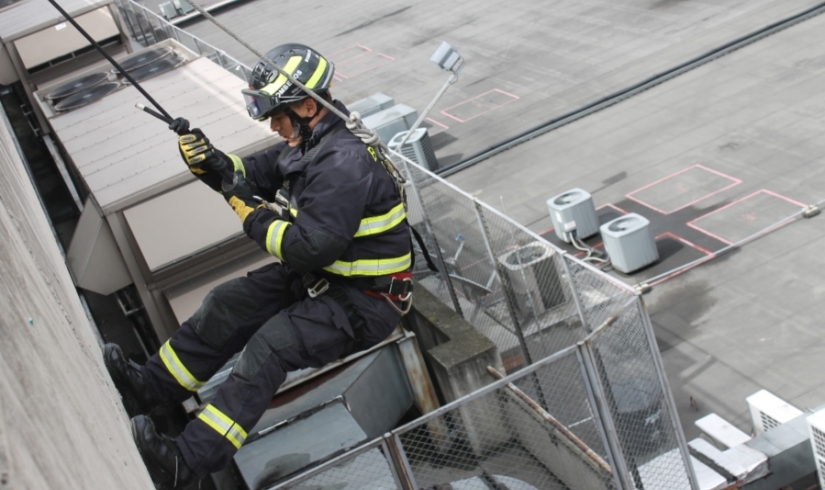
[447, 58]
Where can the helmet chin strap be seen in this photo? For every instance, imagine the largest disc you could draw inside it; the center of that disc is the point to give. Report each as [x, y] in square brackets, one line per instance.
[300, 125]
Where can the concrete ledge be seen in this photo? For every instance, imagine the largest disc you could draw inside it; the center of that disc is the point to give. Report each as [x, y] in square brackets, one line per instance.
[457, 357]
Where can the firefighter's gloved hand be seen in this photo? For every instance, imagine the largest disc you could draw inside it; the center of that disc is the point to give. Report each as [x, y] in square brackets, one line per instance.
[242, 198]
[203, 160]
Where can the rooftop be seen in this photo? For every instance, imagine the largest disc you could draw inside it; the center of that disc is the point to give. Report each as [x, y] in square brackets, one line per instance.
[710, 157]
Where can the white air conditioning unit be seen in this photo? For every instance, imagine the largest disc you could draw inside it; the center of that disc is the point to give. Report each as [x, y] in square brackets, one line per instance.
[417, 148]
[816, 427]
[768, 411]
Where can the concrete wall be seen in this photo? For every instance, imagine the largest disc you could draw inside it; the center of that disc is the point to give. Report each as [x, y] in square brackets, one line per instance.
[61, 421]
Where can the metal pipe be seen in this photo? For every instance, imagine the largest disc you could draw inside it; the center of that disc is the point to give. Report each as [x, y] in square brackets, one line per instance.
[399, 460]
[453, 78]
[596, 411]
[511, 307]
[428, 225]
[574, 290]
[668, 394]
[614, 443]
[426, 399]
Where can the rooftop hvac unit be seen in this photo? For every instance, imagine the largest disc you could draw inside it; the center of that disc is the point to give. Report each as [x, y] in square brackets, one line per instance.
[573, 210]
[768, 411]
[816, 428]
[418, 148]
[629, 243]
[372, 104]
[533, 277]
[391, 121]
[168, 10]
[183, 6]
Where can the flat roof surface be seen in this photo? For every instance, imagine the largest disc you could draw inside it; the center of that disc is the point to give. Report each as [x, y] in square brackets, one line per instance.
[125, 155]
[30, 16]
[709, 157]
[527, 62]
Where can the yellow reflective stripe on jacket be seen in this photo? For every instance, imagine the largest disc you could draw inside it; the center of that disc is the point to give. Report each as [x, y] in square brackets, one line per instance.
[322, 65]
[279, 82]
[382, 223]
[177, 369]
[371, 267]
[275, 236]
[237, 163]
[293, 212]
[223, 425]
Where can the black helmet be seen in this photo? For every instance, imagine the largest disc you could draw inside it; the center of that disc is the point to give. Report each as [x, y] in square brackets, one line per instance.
[270, 92]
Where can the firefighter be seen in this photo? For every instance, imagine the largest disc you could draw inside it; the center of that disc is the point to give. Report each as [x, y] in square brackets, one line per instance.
[340, 284]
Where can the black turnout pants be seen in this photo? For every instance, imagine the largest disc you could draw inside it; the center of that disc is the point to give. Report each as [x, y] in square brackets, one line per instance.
[261, 315]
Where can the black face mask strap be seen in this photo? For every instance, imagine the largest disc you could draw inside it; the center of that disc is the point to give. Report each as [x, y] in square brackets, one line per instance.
[300, 125]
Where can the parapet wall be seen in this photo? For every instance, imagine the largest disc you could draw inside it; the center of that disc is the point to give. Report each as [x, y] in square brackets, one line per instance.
[61, 421]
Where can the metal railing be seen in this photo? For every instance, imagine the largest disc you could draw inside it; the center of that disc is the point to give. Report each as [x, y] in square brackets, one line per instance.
[586, 404]
[147, 28]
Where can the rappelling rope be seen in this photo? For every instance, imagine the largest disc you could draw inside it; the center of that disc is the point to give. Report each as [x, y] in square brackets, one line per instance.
[353, 121]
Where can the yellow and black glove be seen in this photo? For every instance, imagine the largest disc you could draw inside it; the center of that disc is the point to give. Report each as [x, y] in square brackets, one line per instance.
[242, 198]
[203, 160]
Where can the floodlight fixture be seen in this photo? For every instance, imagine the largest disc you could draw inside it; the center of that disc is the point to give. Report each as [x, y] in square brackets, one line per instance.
[447, 58]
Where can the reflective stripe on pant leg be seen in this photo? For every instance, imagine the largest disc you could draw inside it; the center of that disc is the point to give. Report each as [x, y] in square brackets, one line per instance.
[177, 369]
[223, 425]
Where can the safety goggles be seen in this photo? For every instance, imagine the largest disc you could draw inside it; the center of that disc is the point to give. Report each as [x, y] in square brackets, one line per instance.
[260, 105]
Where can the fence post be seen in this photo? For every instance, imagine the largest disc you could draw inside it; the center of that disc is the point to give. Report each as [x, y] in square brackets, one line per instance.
[669, 401]
[614, 443]
[428, 225]
[139, 23]
[508, 296]
[598, 408]
[574, 288]
[398, 460]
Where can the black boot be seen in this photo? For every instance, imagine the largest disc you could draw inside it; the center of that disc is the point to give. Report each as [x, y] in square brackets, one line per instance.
[137, 398]
[160, 454]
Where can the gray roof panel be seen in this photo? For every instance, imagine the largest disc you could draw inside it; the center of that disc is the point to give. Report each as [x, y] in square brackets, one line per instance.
[122, 153]
[33, 15]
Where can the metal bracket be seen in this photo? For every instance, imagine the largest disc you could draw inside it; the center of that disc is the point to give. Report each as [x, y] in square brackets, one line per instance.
[811, 211]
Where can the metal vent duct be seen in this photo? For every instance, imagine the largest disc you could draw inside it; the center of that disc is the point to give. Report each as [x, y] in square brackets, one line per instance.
[389, 122]
[372, 104]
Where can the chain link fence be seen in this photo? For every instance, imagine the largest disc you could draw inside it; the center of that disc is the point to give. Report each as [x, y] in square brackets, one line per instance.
[147, 28]
[585, 402]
